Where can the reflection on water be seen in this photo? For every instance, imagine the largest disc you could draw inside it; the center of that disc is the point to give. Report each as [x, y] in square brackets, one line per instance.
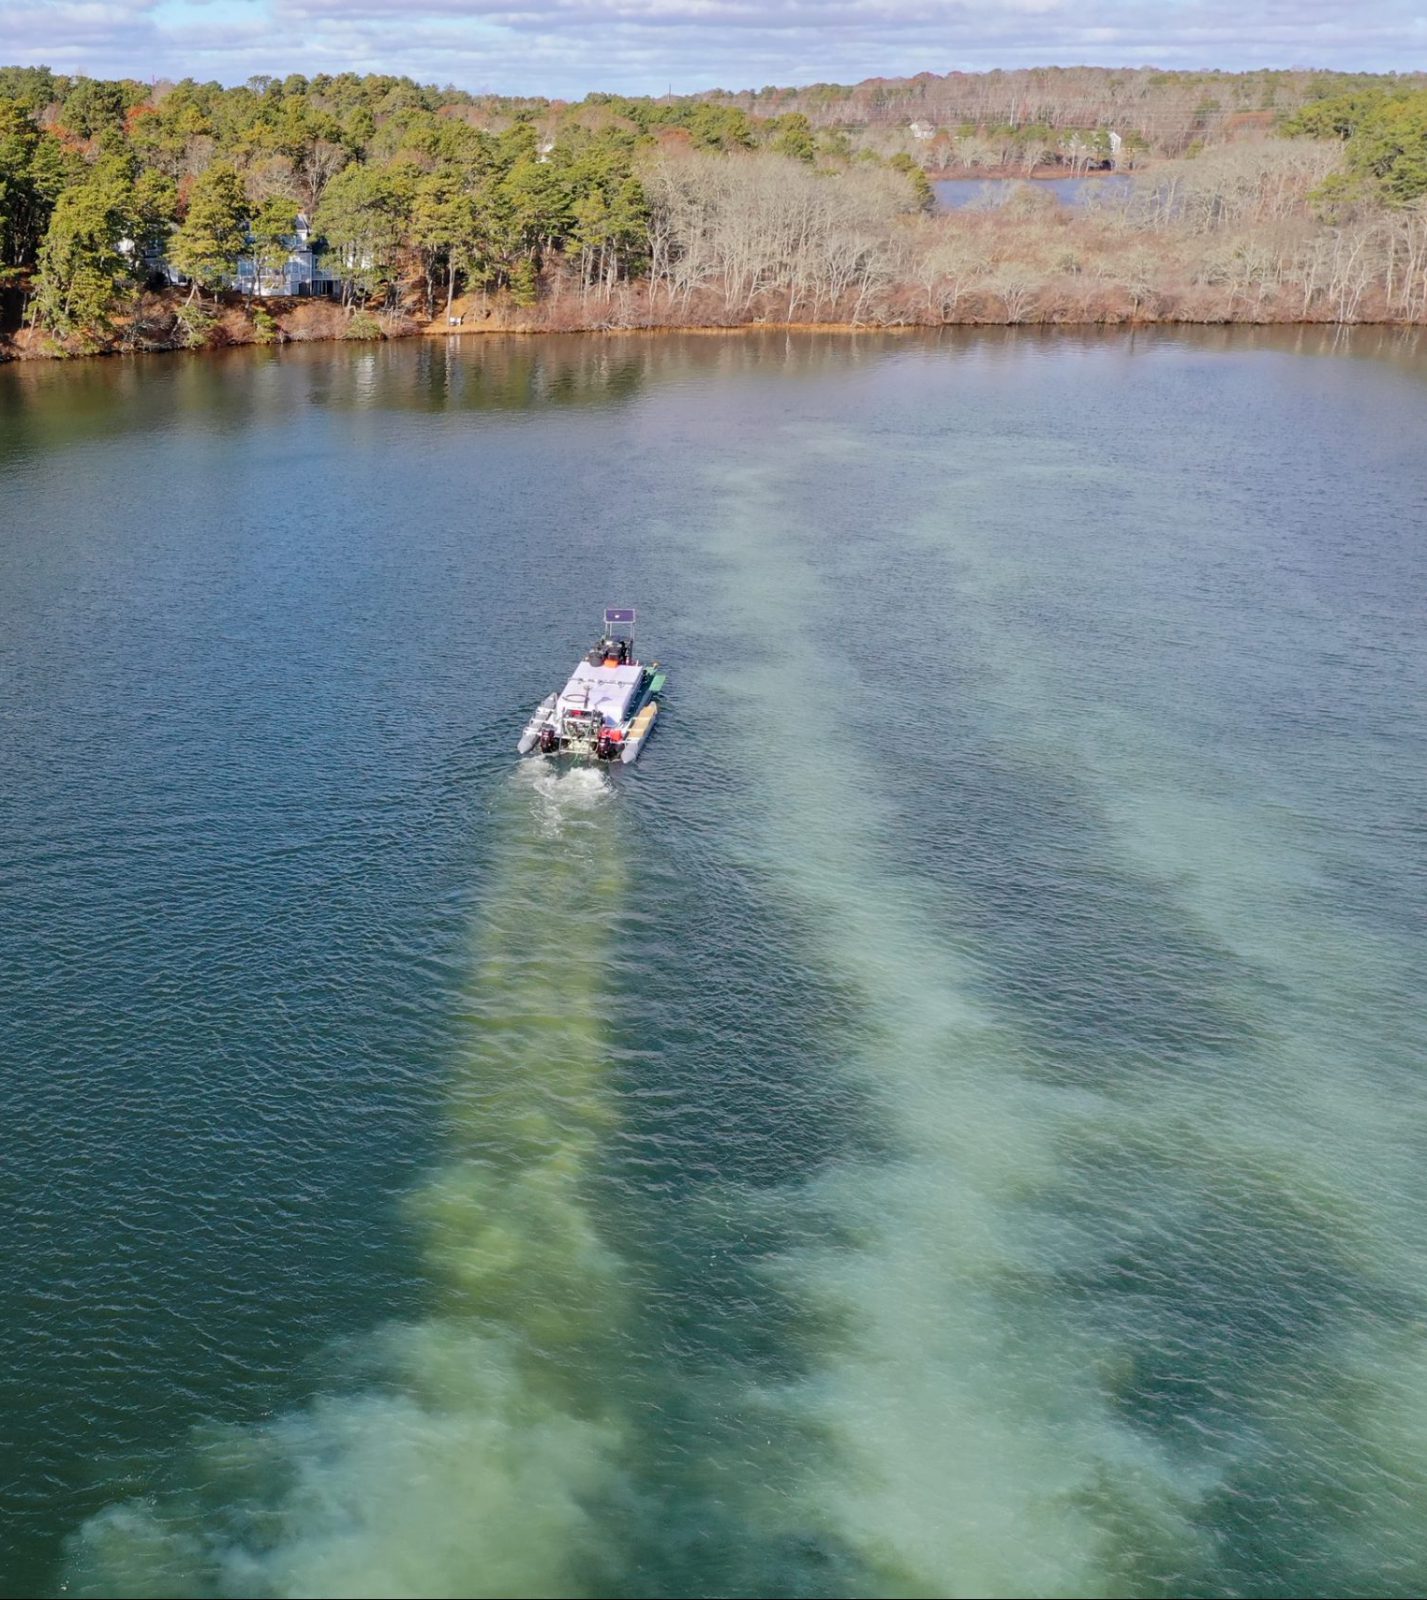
[53, 403]
[947, 1121]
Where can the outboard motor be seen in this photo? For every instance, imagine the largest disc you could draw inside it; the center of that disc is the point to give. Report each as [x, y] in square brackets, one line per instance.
[548, 741]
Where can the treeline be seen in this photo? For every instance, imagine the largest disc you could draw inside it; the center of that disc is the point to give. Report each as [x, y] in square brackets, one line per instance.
[1254, 232]
[1164, 113]
[1244, 233]
[1384, 131]
[99, 181]
[638, 212]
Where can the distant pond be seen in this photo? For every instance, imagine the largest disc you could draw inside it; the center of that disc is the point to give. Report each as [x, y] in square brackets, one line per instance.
[954, 194]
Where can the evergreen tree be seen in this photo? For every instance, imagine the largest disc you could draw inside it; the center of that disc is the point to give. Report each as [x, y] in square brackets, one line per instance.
[916, 175]
[271, 233]
[444, 228]
[539, 204]
[365, 216]
[153, 206]
[1391, 149]
[524, 283]
[208, 242]
[794, 137]
[93, 105]
[83, 267]
[1386, 138]
[21, 208]
[590, 234]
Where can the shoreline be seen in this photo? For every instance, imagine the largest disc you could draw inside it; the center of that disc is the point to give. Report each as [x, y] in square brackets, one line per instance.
[10, 354]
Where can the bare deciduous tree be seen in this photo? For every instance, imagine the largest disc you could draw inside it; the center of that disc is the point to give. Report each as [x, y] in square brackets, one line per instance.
[759, 226]
[1016, 287]
[317, 165]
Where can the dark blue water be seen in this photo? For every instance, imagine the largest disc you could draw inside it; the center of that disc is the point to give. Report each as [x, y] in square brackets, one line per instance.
[948, 1121]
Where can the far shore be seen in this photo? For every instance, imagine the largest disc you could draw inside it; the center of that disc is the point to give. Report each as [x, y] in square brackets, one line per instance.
[398, 328]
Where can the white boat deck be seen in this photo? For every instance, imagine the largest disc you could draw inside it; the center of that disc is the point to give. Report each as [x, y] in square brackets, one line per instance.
[608, 690]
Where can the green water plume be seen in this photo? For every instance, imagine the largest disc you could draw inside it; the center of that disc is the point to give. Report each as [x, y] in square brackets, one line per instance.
[969, 1441]
[1289, 1153]
[477, 1463]
[1313, 1131]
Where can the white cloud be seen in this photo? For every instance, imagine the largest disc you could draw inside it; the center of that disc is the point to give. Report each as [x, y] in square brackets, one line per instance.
[567, 47]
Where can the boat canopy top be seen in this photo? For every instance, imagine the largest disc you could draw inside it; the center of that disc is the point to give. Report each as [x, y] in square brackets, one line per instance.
[608, 690]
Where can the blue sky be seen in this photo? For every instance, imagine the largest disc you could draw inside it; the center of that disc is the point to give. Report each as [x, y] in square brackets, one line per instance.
[566, 47]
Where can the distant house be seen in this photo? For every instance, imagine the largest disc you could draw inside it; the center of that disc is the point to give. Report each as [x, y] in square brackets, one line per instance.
[305, 272]
[921, 130]
[148, 261]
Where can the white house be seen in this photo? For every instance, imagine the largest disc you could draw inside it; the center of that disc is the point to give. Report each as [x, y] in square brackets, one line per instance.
[921, 130]
[148, 260]
[304, 272]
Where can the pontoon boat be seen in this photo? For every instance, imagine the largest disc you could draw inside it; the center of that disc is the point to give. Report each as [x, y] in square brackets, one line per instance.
[607, 708]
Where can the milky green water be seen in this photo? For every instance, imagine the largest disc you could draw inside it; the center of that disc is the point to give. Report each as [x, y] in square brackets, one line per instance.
[949, 1121]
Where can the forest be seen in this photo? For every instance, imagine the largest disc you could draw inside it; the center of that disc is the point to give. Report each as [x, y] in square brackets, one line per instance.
[126, 209]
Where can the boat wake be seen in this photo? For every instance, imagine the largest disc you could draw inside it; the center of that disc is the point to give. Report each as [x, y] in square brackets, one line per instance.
[477, 1459]
[562, 793]
[966, 1441]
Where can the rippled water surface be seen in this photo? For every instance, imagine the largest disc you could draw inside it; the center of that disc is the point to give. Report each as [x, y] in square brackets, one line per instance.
[949, 1121]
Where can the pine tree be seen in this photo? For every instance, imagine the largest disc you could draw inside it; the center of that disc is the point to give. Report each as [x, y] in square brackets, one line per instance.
[207, 244]
[272, 230]
[916, 175]
[444, 228]
[83, 271]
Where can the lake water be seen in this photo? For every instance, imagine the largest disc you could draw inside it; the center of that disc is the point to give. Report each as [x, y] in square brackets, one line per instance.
[949, 1121]
[954, 194]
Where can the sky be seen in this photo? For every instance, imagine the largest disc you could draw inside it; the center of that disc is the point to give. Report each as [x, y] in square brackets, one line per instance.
[567, 47]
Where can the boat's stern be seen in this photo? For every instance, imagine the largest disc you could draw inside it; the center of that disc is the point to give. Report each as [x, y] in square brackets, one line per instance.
[607, 707]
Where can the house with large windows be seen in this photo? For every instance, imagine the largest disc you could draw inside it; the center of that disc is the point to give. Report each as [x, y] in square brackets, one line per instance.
[305, 272]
